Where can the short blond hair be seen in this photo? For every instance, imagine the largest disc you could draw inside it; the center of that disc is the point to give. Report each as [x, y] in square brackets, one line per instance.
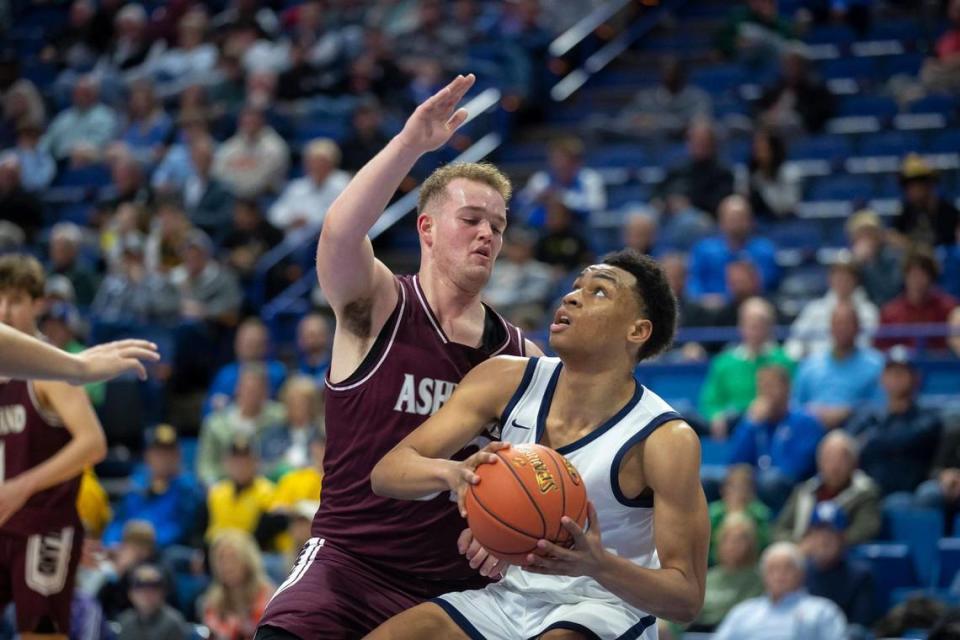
[22, 273]
[324, 147]
[482, 172]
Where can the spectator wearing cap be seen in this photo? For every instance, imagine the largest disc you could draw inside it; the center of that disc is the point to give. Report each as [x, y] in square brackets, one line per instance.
[313, 346]
[150, 617]
[739, 495]
[81, 132]
[294, 488]
[735, 577]
[137, 544]
[37, 168]
[921, 302]
[579, 187]
[519, 279]
[208, 289]
[731, 382]
[839, 481]
[878, 262]
[251, 345]
[925, 217]
[165, 495]
[810, 332]
[901, 430]
[830, 574]
[19, 206]
[703, 178]
[304, 202]
[786, 610]
[66, 239]
[248, 417]
[254, 161]
[207, 200]
[736, 241]
[239, 500]
[132, 293]
[831, 384]
[778, 441]
[284, 448]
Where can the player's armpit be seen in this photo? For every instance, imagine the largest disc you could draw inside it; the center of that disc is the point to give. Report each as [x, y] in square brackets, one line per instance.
[419, 465]
[671, 467]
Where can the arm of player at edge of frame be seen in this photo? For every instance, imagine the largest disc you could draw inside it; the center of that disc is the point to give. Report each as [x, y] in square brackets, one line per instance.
[347, 269]
[675, 591]
[25, 357]
[419, 465]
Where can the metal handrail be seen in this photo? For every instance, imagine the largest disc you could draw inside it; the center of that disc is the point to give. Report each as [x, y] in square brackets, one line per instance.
[584, 27]
[478, 105]
[288, 298]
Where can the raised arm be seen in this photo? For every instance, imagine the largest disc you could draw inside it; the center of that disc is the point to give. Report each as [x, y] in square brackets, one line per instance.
[348, 272]
[25, 357]
[419, 465]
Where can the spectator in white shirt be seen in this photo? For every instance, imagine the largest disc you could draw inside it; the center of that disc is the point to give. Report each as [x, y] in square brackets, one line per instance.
[191, 61]
[305, 201]
[82, 131]
[580, 188]
[787, 611]
[254, 161]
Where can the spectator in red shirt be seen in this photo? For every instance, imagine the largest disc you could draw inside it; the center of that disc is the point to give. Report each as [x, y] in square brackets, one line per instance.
[921, 302]
[942, 73]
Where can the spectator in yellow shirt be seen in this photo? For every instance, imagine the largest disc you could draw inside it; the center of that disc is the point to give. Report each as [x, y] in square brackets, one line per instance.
[238, 501]
[294, 489]
[93, 505]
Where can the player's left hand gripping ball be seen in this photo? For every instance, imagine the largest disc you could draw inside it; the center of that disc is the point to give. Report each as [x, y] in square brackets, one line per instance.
[585, 558]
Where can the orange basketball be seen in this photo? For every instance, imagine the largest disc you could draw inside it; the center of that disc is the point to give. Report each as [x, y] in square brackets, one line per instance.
[521, 498]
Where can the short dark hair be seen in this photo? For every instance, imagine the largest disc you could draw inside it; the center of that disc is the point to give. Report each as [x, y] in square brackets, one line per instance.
[656, 300]
[922, 258]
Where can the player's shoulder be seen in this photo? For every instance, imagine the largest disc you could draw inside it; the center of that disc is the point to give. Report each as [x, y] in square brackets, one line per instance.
[500, 368]
[674, 437]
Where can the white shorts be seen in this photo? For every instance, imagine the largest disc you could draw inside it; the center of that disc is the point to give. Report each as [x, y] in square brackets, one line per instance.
[500, 613]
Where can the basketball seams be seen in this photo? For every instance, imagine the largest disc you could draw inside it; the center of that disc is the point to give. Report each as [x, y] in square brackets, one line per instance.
[523, 485]
[502, 521]
[563, 492]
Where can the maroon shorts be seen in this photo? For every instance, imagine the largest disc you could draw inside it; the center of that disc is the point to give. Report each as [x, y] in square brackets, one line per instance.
[37, 573]
[330, 594]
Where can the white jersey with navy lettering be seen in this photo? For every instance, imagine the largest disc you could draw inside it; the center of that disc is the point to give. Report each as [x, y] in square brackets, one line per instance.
[524, 604]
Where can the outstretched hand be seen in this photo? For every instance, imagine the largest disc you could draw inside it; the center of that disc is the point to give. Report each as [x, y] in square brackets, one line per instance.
[435, 121]
[585, 558]
[111, 359]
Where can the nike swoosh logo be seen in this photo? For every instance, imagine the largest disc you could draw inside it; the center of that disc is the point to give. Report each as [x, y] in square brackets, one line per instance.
[519, 426]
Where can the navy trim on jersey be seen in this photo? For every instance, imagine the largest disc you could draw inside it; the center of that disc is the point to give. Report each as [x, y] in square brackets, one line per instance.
[639, 436]
[458, 618]
[606, 426]
[524, 383]
[637, 630]
[546, 401]
[572, 626]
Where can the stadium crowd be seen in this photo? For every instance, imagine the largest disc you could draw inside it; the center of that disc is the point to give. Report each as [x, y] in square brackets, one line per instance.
[170, 164]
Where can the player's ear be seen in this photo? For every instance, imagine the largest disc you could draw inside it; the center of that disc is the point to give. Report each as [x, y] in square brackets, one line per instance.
[640, 331]
[425, 223]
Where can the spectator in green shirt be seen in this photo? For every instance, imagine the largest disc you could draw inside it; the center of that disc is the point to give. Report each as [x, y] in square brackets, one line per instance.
[730, 386]
[738, 495]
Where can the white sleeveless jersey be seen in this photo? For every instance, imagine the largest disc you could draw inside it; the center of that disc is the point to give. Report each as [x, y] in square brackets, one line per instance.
[626, 524]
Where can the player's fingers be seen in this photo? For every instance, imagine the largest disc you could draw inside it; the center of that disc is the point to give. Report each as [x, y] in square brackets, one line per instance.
[128, 344]
[140, 353]
[464, 541]
[593, 520]
[479, 558]
[457, 119]
[137, 366]
[497, 445]
[473, 549]
[547, 549]
[489, 567]
[579, 539]
[539, 562]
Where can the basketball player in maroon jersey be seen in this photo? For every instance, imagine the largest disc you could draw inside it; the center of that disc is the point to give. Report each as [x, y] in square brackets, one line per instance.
[48, 434]
[28, 357]
[401, 345]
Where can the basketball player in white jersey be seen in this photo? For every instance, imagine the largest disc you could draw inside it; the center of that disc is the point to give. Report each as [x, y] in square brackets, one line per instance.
[25, 357]
[644, 552]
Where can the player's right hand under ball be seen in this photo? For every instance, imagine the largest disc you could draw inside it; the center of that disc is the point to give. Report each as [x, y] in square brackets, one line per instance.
[464, 473]
[478, 557]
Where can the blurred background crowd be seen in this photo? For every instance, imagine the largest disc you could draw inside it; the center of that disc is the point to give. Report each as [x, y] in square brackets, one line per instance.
[794, 165]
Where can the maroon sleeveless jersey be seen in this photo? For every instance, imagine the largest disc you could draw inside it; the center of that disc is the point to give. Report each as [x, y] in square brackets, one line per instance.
[30, 435]
[411, 371]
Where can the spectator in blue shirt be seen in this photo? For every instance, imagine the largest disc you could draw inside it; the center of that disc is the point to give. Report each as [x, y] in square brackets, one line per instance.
[580, 188]
[779, 441]
[787, 611]
[165, 496]
[37, 167]
[313, 346]
[832, 383]
[709, 257]
[900, 431]
[252, 344]
[846, 582]
[148, 127]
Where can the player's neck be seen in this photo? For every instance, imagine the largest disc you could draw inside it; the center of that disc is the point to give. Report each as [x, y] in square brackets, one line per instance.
[449, 302]
[588, 395]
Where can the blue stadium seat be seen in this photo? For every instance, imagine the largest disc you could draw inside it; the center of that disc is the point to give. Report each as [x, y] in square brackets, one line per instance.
[617, 155]
[714, 452]
[838, 35]
[856, 68]
[825, 147]
[891, 567]
[793, 234]
[945, 105]
[949, 562]
[868, 105]
[945, 141]
[890, 143]
[720, 78]
[941, 377]
[841, 187]
[95, 175]
[904, 64]
[920, 530]
[674, 382]
[627, 194]
[905, 31]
